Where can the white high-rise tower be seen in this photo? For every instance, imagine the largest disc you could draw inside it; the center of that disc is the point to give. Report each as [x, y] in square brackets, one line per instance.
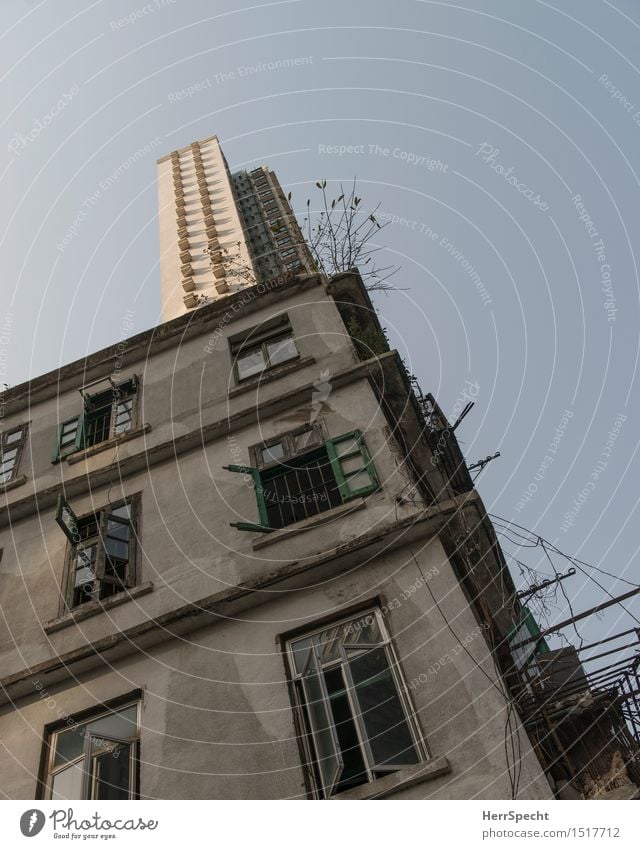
[220, 232]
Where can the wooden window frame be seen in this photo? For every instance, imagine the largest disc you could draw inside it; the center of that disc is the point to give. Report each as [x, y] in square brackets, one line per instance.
[51, 732]
[66, 590]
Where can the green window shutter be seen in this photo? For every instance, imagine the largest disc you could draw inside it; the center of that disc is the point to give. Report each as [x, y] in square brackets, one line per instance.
[352, 466]
[67, 520]
[70, 438]
[262, 507]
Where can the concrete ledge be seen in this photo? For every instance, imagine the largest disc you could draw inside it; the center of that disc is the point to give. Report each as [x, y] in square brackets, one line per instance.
[233, 600]
[79, 456]
[307, 524]
[396, 781]
[93, 608]
[5, 487]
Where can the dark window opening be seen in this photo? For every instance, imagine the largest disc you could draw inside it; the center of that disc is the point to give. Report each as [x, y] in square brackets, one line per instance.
[300, 489]
[105, 415]
[357, 718]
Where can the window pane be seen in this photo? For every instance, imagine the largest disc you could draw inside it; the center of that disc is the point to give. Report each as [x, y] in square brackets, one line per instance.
[97, 425]
[122, 512]
[381, 710]
[118, 530]
[324, 735]
[250, 363]
[67, 784]
[124, 416]
[5, 476]
[16, 436]
[347, 446]
[300, 651]
[85, 565]
[69, 745]
[363, 630]
[111, 771]
[123, 724]
[273, 452]
[354, 771]
[281, 350]
[9, 454]
[359, 481]
[305, 440]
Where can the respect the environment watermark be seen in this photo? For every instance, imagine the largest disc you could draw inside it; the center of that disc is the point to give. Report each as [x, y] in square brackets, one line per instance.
[238, 73]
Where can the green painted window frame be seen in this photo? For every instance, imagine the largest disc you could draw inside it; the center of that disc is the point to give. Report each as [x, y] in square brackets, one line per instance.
[335, 459]
[132, 391]
[342, 477]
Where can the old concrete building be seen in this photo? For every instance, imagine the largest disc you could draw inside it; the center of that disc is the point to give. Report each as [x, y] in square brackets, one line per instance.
[241, 553]
[242, 559]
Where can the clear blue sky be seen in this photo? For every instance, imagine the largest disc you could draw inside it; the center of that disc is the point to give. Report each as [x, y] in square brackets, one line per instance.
[524, 105]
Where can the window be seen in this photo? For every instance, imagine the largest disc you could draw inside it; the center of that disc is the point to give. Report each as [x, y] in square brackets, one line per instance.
[106, 414]
[263, 347]
[12, 444]
[102, 551]
[95, 759]
[302, 474]
[353, 704]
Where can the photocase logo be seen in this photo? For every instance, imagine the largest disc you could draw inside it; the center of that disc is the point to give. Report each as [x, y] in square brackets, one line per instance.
[32, 822]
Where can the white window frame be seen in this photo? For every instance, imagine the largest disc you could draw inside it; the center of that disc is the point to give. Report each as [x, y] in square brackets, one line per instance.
[398, 678]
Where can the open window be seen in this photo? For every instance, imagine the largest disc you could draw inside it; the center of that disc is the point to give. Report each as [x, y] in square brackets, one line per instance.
[12, 444]
[353, 704]
[102, 551]
[96, 758]
[263, 347]
[301, 474]
[108, 410]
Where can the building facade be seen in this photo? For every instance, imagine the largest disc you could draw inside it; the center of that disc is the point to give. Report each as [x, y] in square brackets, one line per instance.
[240, 561]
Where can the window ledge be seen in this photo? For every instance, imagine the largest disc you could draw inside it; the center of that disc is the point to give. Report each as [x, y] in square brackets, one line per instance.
[79, 456]
[395, 781]
[271, 374]
[95, 607]
[304, 525]
[14, 484]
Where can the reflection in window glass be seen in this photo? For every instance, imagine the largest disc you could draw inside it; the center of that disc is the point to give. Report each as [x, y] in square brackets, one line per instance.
[67, 784]
[281, 350]
[250, 363]
[96, 759]
[11, 447]
[359, 726]
[273, 452]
